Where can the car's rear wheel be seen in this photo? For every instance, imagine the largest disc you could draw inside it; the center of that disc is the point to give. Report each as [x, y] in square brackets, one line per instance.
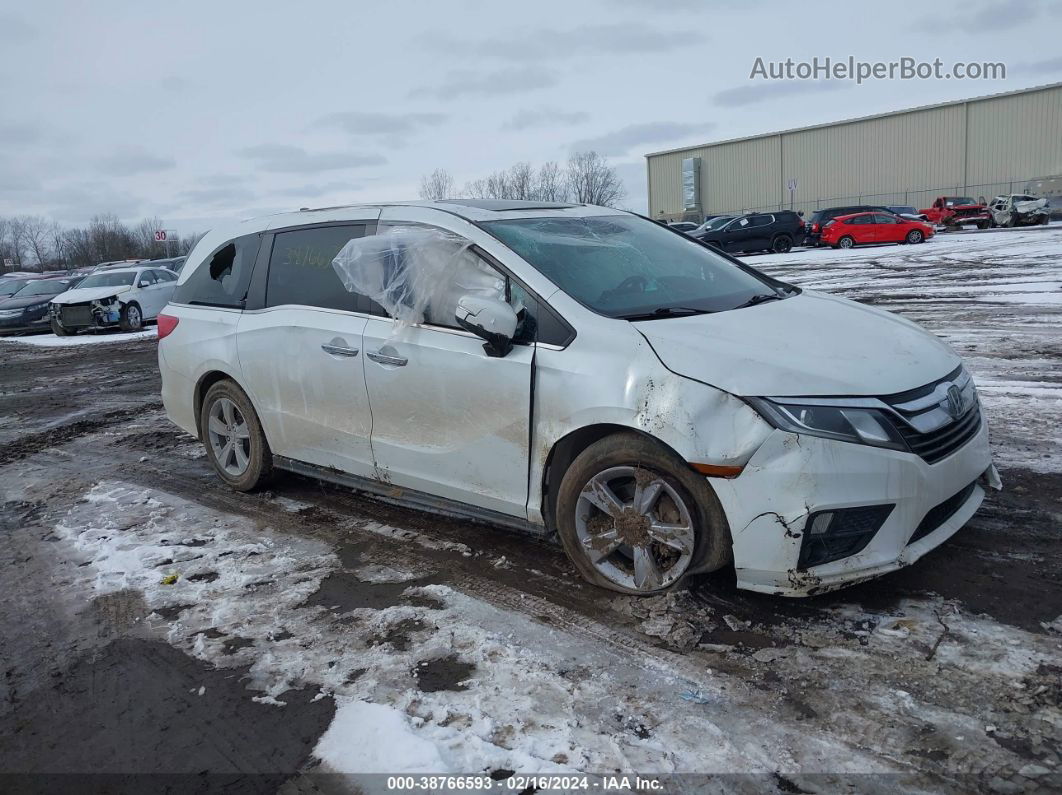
[915, 236]
[782, 244]
[58, 330]
[233, 437]
[846, 242]
[131, 318]
[635, 519]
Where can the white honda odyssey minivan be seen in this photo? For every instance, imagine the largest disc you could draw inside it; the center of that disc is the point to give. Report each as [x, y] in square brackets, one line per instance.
[663, 408]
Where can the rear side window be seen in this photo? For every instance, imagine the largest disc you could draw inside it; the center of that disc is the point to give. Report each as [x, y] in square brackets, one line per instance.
[300, 267]
[166, 276]
[223, 278]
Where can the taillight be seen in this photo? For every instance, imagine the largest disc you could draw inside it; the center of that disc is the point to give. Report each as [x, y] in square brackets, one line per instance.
[815, 228]
[167, 323]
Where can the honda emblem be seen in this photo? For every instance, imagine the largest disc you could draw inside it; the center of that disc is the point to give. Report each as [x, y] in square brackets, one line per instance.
[956, 403]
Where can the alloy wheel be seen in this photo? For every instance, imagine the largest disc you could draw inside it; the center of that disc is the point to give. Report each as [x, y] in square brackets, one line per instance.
[634, 528]
[229, 437]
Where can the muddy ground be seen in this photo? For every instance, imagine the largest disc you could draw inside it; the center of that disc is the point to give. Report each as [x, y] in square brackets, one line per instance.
[943, 676]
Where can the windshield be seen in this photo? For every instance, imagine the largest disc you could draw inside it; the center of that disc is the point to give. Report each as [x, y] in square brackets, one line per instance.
[624, 266]
[716, 223]
[901, 209]
[44, 287]
[120, 279]
[953, 201]
[11, 287]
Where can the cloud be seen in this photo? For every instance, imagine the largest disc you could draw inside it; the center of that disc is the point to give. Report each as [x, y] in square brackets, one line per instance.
[621, 38]
[988, 18]
[488, 84]
[17, 133]
[285, 158]
[218, 195]
[384, 124]
[621, 141]
[764, 92]
[130, 162]
[16, 30]
[1047, 66]
[318, 189]
[545, 117]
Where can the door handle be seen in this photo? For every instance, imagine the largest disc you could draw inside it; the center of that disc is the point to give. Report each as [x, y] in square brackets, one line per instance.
[339, 350]
[383, 358]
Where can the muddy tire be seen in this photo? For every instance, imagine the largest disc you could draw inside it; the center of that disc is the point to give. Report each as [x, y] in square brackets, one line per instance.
[131, 318]
[915, 236]
[233, 437]
[58, 330]
[663, 520]
[782, 244]
[846, 242]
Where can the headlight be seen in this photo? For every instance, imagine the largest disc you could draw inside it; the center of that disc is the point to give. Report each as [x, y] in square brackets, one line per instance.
[10, 313]
[847, 424]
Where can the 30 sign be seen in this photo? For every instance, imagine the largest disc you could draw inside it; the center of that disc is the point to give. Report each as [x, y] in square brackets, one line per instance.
[160, 235]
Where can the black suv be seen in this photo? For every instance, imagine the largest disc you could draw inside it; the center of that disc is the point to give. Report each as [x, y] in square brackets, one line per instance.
[820, 217]
[776, 231]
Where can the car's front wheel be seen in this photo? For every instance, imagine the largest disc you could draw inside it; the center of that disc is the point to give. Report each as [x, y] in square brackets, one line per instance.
[633, 518]
[131, 318]
[233, 437]
[915, 236]
[58, 330]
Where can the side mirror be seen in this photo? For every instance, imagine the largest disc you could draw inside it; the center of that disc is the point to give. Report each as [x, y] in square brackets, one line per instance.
[490, 319]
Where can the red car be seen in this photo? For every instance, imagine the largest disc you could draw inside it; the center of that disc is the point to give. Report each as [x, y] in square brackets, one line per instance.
[860, 228]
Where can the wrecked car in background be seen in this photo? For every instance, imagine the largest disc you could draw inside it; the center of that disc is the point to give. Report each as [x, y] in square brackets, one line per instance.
[1019, 210]
[115, 297]
[661, 406]
[955, 212]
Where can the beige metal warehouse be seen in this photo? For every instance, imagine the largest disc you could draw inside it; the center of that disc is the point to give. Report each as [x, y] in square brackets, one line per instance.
[975, 147]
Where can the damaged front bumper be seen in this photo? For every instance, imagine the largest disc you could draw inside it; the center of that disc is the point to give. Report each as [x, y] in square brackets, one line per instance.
[102, 313]
[793, 480]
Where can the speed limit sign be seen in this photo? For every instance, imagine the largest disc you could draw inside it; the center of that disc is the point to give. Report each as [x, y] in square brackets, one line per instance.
[160, 235]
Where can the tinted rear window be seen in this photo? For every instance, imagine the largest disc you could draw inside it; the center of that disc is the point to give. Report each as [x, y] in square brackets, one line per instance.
[300, 267]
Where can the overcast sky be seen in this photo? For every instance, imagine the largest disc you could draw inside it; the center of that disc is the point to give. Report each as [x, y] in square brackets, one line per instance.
[201, 111]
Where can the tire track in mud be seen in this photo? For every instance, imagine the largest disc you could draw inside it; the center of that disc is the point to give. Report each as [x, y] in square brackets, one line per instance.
[32, 443]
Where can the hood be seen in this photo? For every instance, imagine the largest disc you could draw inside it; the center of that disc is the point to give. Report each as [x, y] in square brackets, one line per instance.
[1030, 206]
[81, 294]
[810, 344]
[19, 302]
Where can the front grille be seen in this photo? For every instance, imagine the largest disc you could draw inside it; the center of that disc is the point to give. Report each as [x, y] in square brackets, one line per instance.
[939, 514]
[938, 444]
[76, 316]
[923, 416]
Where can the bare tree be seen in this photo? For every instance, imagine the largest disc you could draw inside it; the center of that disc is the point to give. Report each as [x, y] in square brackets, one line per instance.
[550, 185]
[33, 233]
[437, 185]
[591, 180]
[57, 239]
[187, 242]
[520, 182]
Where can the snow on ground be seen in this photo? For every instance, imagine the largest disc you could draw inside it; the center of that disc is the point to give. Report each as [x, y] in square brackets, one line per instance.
[995, 298]
[427, 678]
[100, 338]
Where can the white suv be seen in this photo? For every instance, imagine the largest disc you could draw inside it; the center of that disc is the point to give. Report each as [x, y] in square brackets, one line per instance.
[664, 408]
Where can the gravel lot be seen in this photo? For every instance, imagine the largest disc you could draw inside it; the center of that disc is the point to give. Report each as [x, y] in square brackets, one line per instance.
[309, 630]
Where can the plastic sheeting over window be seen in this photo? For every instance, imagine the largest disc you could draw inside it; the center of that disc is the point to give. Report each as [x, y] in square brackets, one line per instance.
[416, 273]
